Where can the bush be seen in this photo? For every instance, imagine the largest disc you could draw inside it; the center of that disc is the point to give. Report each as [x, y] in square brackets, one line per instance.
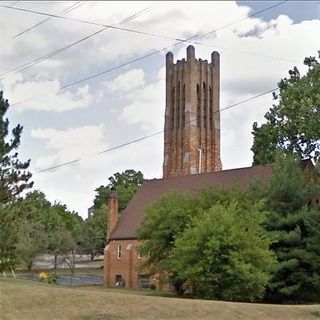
[152, 286]
[46, 277]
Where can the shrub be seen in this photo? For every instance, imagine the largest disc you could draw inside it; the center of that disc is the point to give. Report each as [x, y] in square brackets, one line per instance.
[152, 286]
[46, 277]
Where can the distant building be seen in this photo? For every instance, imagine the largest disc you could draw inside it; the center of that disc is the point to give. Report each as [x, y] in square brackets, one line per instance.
[90, 212]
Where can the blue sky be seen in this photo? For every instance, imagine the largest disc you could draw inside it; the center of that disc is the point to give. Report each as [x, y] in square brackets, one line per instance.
[128, 103]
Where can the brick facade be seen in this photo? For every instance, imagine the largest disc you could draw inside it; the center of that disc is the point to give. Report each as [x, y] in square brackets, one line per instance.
[125, 266]
[192, 116]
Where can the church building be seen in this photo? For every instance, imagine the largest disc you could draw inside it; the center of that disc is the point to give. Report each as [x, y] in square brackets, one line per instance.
[191, 162]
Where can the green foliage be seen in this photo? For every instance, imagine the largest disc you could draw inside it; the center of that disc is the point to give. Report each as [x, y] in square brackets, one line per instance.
[94, 232]
[224, 253]
[163, 222]
[293, 124]
[14, 179]
[9, 234]
[125, 183]
[32, 241]
[44, 228]
[49, 278]
[297, 276]
[153, 286]
[177, 234]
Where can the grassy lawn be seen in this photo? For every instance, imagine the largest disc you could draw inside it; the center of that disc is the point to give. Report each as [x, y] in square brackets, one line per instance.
[26, 300]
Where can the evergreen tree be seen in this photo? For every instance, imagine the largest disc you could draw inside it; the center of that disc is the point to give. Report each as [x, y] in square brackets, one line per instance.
[293, 217]
[13, 175]
[14, 178]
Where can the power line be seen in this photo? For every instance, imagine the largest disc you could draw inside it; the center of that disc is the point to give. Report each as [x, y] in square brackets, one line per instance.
[150, 135]
[31, 63]
[66, 10]
[75, 83]
[110, 26]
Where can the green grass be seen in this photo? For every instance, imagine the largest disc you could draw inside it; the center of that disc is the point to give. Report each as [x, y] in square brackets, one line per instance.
[27, 300]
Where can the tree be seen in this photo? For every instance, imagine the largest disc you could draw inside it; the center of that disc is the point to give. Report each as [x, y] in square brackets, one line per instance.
[293, 124]
[64, 230]
[125, 183]
[224, 253]
[9, 234]
[32, 241]
[14, 179]
[293, 217]
[163, 222]
[13, 175]
[166, 221]
[94, 232]
[94, 235]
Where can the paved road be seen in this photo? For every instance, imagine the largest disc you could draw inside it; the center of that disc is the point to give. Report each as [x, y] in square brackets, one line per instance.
[78, 280]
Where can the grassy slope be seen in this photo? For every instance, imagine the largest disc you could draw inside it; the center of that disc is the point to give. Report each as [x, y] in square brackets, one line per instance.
[25, 300]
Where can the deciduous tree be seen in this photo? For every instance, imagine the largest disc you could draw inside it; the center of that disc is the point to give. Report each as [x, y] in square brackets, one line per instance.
[293, 122]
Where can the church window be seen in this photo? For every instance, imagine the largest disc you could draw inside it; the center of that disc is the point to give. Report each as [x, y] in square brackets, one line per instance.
[119, 252]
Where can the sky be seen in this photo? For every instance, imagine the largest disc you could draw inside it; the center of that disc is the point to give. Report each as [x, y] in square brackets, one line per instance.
[122, 93]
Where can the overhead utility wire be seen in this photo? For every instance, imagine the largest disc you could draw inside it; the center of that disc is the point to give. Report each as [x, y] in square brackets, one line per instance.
[110, 26]
[31, 63]
[75, 83]
[148, 136]
[66, 10]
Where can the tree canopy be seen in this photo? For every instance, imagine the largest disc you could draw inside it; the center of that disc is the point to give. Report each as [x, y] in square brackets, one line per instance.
[125, 183]
[206, 241]
[14, 179]
[293, 123]
[293, 217]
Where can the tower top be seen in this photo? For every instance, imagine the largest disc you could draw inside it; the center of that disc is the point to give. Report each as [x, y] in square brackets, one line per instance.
[191, 56]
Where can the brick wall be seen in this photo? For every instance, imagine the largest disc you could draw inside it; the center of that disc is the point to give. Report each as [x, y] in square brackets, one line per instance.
[125, 266]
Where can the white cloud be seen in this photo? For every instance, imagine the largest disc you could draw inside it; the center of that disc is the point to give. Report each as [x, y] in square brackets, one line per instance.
[70, 144]
[146, 105]
[127, 81]
[48, 98]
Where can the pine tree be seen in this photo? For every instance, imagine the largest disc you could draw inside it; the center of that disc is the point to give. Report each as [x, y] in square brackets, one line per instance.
[13, 175]
[296, 279]
[14, 178]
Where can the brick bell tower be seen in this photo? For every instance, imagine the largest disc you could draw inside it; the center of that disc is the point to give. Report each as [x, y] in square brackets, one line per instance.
[192, 116]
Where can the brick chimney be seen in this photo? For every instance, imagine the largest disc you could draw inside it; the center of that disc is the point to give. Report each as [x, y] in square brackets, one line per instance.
[112, 213]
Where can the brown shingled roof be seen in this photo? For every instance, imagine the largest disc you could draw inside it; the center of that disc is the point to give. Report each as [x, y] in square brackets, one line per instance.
[152, 190]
